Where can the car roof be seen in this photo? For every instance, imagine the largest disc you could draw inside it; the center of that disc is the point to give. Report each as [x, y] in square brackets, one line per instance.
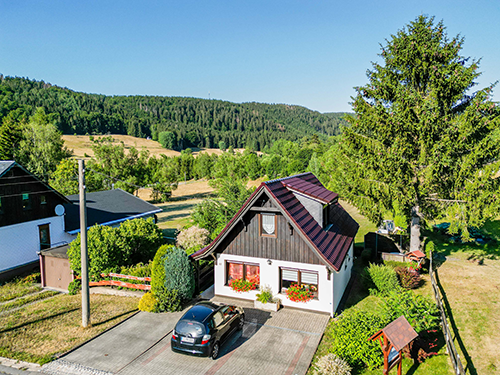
[200, 311]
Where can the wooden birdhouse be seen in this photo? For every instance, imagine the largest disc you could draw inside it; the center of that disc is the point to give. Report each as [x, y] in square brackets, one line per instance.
[393, 338]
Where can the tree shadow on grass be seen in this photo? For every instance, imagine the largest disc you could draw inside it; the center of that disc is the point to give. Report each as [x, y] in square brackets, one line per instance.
[38, 320]
[469, 366]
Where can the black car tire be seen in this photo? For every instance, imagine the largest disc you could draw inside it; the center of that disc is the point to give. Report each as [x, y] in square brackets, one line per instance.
[215, 351]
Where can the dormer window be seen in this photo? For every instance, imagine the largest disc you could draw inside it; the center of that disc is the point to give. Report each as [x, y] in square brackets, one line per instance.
[268, 225]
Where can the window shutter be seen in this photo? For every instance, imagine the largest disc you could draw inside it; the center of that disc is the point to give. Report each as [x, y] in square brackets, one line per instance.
[309, 278]
[290, 275]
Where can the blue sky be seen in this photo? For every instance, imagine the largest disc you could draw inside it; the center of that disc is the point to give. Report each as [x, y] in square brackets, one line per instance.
[306, 52]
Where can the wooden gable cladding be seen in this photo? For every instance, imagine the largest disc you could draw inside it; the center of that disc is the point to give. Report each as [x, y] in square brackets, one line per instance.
[245, 238]
[42, 199]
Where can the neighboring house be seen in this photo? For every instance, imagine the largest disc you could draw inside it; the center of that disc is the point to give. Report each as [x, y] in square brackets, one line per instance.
[35, 217]
[111, 208]
[31, 218]
[289, 230]
[108, 207]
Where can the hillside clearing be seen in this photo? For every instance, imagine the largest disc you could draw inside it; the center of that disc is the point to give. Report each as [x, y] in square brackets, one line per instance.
[81, 145]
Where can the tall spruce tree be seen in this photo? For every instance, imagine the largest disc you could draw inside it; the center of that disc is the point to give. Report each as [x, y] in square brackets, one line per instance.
[422, 143]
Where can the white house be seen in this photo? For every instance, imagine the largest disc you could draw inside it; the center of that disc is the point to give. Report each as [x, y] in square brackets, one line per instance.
[291, 230]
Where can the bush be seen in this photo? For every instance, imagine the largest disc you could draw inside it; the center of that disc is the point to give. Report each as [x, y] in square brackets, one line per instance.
[366, 255]
[74, 287]
[148, 302]
[384, 278]
[351, 334]
[421, 312]
[111, 248]
[158, 268]
[32, 278]
[179, 274]
[193, 238]
[167, 139]
[168, 301]
[331, 364]
[139, 270]
[408, 278]
[429, 247]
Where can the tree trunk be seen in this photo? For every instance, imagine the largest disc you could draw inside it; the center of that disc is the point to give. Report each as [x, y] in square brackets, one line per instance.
[415, 229]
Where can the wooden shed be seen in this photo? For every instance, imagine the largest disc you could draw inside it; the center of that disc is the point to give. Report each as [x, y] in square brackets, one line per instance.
[54, 268]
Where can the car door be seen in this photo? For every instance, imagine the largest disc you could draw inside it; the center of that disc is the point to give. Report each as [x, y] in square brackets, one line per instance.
[230, 320]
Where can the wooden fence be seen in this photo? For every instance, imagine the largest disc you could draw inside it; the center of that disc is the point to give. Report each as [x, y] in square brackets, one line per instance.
[450, 345]
[122, 283]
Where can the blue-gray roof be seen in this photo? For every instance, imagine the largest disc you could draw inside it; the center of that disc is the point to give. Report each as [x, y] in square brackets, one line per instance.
[5, 166]
[106, 207]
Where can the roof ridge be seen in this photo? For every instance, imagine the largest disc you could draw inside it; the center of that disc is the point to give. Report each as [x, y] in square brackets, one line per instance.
[286, 178]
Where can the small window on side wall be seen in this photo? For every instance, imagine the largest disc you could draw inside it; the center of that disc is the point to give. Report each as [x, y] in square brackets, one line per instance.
[43, 199]
[267, 225]
[26, 201]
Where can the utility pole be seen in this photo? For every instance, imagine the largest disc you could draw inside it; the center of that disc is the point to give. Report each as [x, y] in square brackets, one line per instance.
[83, 246]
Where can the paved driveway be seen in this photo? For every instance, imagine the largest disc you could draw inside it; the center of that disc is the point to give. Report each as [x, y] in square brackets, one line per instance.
[270, 343]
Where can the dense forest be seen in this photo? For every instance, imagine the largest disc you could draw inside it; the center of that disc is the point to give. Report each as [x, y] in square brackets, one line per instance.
[195, 122]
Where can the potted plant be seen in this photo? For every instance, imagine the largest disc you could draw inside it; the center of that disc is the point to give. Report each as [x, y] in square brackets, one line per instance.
[241, 285]
[300, 292]
[266, 300]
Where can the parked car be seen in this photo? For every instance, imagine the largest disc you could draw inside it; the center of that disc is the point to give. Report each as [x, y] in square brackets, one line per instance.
[205, 327]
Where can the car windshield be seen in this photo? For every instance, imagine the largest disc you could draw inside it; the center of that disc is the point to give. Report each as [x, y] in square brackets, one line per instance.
[190, 328]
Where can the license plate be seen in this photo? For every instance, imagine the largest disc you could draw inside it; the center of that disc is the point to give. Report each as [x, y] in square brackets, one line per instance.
[188, 340]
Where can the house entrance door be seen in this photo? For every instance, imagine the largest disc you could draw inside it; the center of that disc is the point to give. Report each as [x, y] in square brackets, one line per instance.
[44, 232]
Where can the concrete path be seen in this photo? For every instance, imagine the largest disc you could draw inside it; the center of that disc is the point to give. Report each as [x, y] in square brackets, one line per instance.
[283, 342]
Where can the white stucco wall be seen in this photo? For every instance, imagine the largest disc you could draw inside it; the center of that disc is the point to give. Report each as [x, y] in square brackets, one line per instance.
[19, 243]
[341, 278]
[269, 275]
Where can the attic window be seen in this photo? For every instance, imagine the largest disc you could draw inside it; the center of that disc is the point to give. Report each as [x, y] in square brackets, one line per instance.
[268, 225]
[43, 199]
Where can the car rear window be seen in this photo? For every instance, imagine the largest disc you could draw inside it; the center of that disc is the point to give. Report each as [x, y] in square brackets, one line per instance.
[186, 327]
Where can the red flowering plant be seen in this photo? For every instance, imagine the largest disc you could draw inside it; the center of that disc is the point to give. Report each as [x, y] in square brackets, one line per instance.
[300, 293]
[240, 285]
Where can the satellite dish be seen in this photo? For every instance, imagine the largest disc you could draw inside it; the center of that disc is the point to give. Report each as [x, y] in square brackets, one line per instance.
[59, 210]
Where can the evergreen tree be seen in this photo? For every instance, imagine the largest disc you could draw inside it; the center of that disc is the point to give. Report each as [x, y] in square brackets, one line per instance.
[420, 140]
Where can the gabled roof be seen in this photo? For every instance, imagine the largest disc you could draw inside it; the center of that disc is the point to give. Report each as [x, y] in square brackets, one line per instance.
[106, 208]
[5, 165]
[318, 192]
[331, 244]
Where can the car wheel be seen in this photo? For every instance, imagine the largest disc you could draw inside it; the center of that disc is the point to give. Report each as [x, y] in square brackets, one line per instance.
[215, 351]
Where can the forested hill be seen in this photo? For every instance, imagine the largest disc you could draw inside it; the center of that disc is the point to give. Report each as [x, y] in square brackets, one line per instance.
[195, 122]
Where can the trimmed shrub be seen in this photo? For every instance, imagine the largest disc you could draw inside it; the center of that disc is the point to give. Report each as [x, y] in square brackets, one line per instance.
[139, 240]
[148, 302]
[179, 274]
[384, 278]
[158, 268]
[408, 278]
[421, 312]
[74, 287]
[351, 334]
[168, 301]
[331, 364]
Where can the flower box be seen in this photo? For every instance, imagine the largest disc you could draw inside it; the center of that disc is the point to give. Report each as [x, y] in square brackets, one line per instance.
[269, 306]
